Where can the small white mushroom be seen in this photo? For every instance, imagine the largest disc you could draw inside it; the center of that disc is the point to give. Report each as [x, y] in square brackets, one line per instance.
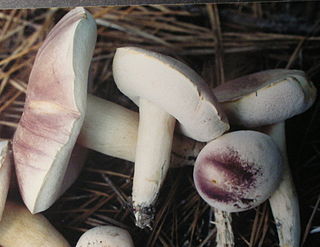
[20, 228]
[54, 109]
[105, 236]
[238, 171]
[5, 173]
[165, 90]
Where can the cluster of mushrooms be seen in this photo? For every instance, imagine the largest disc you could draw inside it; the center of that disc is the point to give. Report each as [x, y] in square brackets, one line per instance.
[233, 172]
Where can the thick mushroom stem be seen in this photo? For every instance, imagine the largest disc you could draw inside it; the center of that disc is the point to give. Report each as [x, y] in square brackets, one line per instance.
[20, 228]
[284, 201]
[5, 173]
[111, 129]
[152, 159]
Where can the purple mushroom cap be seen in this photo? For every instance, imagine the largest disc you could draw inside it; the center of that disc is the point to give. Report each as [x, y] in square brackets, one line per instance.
[238, 171]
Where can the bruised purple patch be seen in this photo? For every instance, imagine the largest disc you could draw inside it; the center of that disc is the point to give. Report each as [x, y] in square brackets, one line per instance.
[213, 191]
[239, 175]
[239, 172]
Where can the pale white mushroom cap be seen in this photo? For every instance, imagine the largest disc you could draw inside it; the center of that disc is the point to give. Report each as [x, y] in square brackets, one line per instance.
[105, 236]
[266, 97]
[238, 171]
[172, 86]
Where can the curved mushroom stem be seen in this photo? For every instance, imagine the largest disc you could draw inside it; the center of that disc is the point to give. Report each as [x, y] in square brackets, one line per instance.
[5, 173]
[20, 228]
[111, 129]
[152, 159]
[284, 201]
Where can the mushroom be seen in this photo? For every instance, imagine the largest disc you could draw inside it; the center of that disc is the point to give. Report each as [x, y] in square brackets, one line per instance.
[5, 173]
[164, 89]
[54, 109]
[238, 171]
[102, 236]
[266, 98]
[20, 228]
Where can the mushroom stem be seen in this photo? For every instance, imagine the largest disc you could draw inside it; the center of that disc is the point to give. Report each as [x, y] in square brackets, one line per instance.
[152, 159]
[224, 236]
[5, 174]
[284, 201]
[111, 129]
[20, 228]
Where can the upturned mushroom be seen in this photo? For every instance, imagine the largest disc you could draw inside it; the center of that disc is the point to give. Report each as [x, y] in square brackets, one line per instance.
[5, 173]
[54, 109]
[238, 171]
[20, 228]
[165, 90]
[102, 236]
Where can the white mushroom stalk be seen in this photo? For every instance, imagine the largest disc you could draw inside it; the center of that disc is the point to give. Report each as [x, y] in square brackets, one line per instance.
[264, 98]
[20, 228]
[5, 173]
[54, 109]
[284, 201]
[102, 236]
[165, 90]
[112, 129]
[224, 236]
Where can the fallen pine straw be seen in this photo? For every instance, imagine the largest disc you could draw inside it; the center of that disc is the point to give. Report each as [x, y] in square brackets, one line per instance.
[220, 42]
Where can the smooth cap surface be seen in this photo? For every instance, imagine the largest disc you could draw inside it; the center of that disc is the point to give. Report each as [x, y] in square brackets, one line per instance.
[238, 170]
[266, 97]
[105, 236]
[172, 86]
